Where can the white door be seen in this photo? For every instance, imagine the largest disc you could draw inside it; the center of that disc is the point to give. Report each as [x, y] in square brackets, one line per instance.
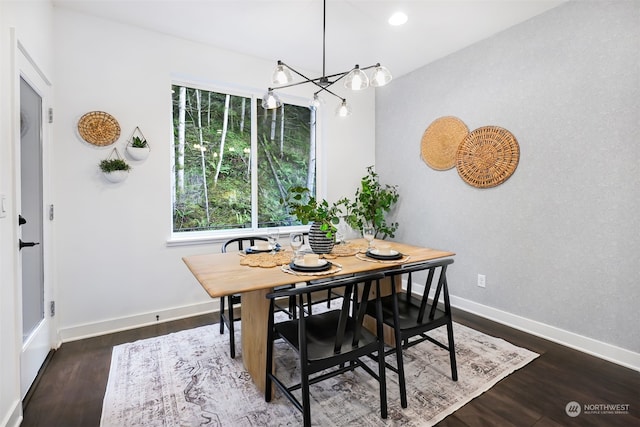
[37, 336]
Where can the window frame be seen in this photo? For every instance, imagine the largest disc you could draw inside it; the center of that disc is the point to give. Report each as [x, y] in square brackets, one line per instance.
[255, 96]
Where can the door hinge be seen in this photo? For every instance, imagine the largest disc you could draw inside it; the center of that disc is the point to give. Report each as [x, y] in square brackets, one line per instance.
[52, 308]
[50, 115]
[50, 212]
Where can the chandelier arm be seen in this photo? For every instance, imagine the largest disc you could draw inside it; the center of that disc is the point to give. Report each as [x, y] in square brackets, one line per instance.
[344, 74]
[324, 89]
[370, 66]
[307, 79]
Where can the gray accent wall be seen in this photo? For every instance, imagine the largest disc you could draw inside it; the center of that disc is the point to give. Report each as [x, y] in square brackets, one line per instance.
[559, 241]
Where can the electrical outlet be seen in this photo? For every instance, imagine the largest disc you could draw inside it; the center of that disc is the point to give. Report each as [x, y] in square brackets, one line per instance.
[482, 280]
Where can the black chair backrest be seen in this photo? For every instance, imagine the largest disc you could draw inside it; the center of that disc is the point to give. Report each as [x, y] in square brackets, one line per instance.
[347, 318]
[242, 242]
[437, 268]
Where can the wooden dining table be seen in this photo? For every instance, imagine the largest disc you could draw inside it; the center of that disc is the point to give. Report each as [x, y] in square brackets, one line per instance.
[221, 274]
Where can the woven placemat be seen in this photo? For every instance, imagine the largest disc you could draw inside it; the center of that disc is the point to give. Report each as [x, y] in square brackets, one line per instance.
[99, 128]
[335, 268]
[487, 157]
[441, 140]
[347, 249]
[266, 260]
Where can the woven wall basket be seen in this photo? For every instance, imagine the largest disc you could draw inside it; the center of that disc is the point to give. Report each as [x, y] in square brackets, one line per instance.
[99, 128]
[440, 142]
[487, 157]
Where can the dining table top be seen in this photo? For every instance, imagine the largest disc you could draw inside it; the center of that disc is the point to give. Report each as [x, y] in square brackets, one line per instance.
[222, 274]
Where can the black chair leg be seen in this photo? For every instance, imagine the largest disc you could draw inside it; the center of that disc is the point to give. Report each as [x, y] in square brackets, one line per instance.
[221, 315]
[292, 307]
[400, 365]
[232, 336]
[270, 339]
[306, 402]
[452, 352]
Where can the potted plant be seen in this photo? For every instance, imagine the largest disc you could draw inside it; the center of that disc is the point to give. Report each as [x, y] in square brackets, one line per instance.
[115, 170]
[371, 204]
[138, 149]
[324, 217]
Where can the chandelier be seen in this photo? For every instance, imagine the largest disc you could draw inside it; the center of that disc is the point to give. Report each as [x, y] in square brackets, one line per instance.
[354, 79]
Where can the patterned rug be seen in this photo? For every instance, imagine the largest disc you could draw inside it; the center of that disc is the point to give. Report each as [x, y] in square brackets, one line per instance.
[187, 379]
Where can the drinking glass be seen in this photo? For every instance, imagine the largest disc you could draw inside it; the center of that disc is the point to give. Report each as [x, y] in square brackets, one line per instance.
[296, 240]
[273, 234]
[368, 233]
[340, 234]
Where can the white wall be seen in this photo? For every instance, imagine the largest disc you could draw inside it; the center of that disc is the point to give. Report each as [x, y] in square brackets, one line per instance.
[559, 241]
[31, 22]
[114, 266]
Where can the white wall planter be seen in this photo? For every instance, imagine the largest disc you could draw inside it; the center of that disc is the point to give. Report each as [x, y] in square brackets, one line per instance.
[138, 153]
[116, 176]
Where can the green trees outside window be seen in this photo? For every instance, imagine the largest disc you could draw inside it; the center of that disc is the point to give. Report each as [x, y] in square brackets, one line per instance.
[234, 161]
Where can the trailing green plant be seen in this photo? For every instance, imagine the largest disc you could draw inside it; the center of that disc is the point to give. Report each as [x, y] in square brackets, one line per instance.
[306, 208]
[111, 165]
[372, 203]
[138, 142]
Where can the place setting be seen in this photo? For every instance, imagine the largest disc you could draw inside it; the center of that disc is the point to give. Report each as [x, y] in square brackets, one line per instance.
[307, 264]
[265, 254]
[379, 252]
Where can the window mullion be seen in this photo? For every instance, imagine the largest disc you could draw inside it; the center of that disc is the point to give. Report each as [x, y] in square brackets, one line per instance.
[254, 162]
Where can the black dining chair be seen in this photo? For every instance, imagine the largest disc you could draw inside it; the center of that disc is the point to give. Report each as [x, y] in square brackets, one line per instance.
[227, 316]
[411, 315]
[327, 344]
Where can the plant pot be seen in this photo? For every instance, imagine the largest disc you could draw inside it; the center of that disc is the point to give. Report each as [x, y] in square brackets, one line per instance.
[116, 176]
[138, 153]
[318, 240]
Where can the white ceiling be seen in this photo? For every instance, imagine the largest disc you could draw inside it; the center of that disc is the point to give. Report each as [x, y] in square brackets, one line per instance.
[356, 30]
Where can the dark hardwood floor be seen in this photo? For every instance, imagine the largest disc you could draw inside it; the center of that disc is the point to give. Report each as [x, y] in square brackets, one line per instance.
[71, 387]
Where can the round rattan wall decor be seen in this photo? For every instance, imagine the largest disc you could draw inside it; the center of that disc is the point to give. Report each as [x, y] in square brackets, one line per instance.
[487, 157]
[99, 128]
[440, 142]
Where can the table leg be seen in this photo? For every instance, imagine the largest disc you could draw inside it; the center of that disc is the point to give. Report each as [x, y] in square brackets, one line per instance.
[370, 322]
[255, 312]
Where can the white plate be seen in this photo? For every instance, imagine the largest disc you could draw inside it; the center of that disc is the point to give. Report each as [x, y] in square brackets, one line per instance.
[258, 248]
[320, 263]
[390, 253]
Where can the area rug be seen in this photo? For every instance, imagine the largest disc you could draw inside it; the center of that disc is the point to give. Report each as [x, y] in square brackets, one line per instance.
[187, 379]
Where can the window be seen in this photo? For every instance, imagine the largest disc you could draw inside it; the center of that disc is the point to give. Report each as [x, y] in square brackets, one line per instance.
[234, 160]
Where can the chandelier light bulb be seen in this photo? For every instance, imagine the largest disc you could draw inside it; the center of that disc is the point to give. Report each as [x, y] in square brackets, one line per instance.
[356, 79]
[315, 101]
[381, 76]
[281, 74]
[270, 101]
[343, 109]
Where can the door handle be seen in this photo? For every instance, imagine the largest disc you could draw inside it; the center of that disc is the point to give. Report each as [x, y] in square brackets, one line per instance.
[22, 244]
[21, 220]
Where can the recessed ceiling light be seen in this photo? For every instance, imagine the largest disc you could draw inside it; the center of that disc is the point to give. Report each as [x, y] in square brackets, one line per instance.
[398, 18]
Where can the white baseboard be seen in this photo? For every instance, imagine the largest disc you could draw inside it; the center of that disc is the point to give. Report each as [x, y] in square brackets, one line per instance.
[605, 351]
[13, 418]
[596, 348]
[94, 329]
